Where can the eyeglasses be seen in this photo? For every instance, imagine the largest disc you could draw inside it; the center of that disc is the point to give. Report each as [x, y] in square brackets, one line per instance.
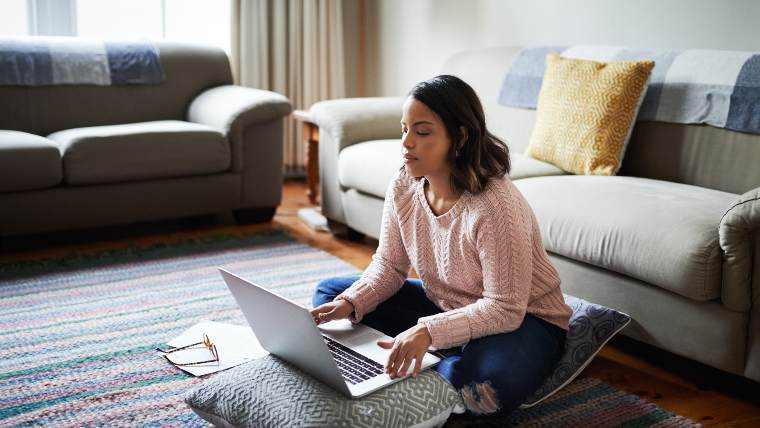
[207, 343]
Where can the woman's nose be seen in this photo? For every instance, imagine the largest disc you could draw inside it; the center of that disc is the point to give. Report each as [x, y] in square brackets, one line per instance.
[406, 140]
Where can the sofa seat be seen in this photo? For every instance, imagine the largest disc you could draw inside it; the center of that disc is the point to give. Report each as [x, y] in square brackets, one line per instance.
[372, 177]
[141, 151]
[660, 232]
[28, 162]
[522, 166]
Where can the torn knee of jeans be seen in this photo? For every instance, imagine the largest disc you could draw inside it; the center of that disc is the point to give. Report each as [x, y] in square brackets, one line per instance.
[480, 398]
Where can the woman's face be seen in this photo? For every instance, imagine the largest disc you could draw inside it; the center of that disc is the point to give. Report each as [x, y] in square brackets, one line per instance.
[424, 140]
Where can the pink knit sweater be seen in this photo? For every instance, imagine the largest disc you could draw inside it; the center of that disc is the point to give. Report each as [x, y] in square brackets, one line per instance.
[482, 262]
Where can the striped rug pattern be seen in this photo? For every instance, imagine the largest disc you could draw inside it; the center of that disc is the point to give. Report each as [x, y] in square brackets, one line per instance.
[79, 334]
[584, 403]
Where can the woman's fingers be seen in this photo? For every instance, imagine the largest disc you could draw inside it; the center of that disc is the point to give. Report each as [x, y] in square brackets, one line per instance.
[319, 309]
[324, 307]
[418, 364]
[401, 361]
[403, 355]
[319, 312]
[405, 365]
[392, 358]
[327, 316]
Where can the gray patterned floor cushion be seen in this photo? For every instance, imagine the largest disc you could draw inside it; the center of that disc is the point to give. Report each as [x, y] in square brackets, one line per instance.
[271, 393]
[591, 326]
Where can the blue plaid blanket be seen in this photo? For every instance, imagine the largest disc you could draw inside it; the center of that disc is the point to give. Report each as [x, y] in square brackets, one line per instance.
[718, 88]
[40, 61]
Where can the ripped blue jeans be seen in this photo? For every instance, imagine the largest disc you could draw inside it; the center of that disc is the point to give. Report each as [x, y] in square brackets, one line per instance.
[494, 374]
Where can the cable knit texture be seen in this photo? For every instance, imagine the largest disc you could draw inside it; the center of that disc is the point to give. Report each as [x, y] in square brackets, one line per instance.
[482, 262]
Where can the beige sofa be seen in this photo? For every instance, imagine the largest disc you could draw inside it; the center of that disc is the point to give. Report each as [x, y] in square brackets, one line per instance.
[83, 156]
[672, 240]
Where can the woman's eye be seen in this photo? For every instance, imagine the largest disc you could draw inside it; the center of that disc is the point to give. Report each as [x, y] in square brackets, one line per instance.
[420, 133]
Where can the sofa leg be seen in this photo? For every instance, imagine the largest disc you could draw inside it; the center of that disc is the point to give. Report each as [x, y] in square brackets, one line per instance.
[342, 231]
[254, 215]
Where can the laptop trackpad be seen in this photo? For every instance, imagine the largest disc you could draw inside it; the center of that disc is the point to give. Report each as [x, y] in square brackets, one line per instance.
[363, 338]
[358, 337]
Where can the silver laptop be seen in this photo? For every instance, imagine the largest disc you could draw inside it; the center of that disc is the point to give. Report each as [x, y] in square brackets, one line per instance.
[341, 354]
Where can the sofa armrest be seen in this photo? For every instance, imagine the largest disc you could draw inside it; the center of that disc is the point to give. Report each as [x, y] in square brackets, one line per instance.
[351, 120]
[232, 108]
[237, 111]
[252, 121]
[345, 122]
[741, 275]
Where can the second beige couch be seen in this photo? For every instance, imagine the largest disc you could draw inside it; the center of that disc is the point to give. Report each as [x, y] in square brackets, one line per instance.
[77, 156]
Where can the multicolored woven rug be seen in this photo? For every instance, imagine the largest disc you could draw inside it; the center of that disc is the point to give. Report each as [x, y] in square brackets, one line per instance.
[79, 335]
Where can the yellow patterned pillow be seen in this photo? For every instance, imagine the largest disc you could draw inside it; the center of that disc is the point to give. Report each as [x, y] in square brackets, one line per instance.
[586, 110]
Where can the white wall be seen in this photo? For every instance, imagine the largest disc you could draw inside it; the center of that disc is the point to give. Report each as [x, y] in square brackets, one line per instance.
[408, 40]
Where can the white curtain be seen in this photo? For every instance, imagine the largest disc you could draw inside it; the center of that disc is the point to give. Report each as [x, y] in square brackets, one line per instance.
[294, 47]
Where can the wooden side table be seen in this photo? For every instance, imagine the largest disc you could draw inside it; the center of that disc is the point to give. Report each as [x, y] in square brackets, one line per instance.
[311, 137]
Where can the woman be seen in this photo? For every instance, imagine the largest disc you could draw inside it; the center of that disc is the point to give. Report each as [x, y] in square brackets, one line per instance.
[487, 287]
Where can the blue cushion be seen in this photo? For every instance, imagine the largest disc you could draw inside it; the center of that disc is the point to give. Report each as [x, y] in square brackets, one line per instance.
[591, 326]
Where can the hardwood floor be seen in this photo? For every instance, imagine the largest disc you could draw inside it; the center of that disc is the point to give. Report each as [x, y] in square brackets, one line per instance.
[679, 385]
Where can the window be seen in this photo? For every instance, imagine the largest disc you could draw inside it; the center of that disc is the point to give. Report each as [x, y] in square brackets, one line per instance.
[13, 19]
[192, 21]
[109, 19]
[198, 21]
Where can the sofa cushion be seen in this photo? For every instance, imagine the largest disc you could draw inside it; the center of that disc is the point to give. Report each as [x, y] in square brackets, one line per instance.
[591, 326]
[141, 151]
[374, 176]
[369, 166]
[525, 167]
[660, 232]
[28, 162]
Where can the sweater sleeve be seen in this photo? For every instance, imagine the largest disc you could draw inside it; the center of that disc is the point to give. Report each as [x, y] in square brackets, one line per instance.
[388, 269]
[503, 236]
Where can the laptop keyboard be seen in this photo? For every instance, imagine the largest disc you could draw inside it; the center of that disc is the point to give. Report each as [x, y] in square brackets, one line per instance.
[354, 366]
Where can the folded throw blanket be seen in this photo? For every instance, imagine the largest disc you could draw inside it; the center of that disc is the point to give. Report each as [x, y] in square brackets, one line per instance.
[41, 61]
[718, 88]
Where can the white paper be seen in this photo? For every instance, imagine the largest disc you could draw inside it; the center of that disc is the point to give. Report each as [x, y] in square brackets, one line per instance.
[235, 345]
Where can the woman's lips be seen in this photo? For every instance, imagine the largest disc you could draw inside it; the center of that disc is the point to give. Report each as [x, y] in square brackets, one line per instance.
[409, 158]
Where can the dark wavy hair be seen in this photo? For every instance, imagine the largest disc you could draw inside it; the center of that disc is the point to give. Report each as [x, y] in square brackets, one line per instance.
[482, 155]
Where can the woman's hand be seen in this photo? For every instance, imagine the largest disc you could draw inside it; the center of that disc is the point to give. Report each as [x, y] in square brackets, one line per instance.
[407, 346]
[338, 309]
